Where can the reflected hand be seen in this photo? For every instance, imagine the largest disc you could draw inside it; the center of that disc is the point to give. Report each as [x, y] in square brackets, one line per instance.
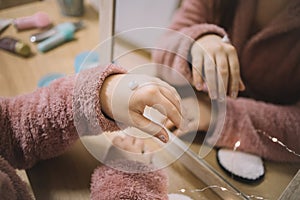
[198, 114]
[211, 55]
[126, 105]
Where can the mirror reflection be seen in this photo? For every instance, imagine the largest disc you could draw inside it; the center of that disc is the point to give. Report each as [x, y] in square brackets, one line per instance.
[245, 51]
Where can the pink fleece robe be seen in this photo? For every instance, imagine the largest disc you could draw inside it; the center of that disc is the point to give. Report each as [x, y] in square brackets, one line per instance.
[130, 180]
[40, 125]
[270, 68]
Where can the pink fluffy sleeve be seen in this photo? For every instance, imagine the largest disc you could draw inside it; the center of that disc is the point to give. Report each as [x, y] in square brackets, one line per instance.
[255, 123]
[193, 19]
[40, 125]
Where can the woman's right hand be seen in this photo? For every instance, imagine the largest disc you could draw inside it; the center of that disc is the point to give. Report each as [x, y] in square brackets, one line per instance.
[212, 56]
[124, 98]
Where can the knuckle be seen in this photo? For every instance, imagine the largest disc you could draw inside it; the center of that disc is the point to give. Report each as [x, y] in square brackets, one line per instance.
[196, 61]
[223, 67]
[151, 90]
[223, 71]
[235, 71]
[197, 49]
[209, 69]
[173, 110]
[218, 48]
[234, 85]
[230, 49]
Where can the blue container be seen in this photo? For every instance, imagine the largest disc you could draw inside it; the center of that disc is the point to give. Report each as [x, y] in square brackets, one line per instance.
[86, 60]
[47, 79]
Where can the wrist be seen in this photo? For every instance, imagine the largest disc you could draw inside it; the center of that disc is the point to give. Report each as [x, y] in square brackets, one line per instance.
[105, 95]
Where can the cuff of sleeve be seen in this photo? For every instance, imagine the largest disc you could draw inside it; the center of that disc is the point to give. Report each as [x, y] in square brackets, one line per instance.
[88, 116]
[231, 129]
[199, 30]
[237, 128]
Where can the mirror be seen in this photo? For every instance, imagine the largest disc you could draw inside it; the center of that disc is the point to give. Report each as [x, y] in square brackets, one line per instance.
[121, 17]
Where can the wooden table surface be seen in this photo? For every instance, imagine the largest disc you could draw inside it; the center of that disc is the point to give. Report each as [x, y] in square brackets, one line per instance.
[68, 176]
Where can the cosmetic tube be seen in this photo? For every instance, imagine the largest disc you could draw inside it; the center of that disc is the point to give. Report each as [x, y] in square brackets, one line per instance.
[56, 40]
[15, 46]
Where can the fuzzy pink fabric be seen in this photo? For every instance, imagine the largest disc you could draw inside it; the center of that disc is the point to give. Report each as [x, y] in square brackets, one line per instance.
[88, 117]
[40, 125]
[110, 184]
[270, 68]
[11, 186]
[246, 119]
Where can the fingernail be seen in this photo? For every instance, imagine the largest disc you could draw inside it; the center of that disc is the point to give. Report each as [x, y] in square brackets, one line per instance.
[233, 94]
[198, 86]
[205, 87]
[163, 138]
[242, 86]
[213, 95]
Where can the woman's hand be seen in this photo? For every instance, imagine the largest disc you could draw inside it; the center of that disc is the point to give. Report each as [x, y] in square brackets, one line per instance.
[212, 56]
[124, 98]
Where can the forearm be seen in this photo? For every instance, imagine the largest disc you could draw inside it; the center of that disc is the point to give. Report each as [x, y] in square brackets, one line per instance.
[258, 126]
[38, 125]
[41, 125]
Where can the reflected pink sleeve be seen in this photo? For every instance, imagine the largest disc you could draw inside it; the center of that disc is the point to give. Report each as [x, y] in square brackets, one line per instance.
[255, 123]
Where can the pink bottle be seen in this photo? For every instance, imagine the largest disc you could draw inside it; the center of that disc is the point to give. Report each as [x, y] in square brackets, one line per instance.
[38, 20]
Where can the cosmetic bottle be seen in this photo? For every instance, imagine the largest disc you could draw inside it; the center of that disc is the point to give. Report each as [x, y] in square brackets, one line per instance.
[4, 23]
[38, 20]
[72, 26]
[56, 40]
[15, 46]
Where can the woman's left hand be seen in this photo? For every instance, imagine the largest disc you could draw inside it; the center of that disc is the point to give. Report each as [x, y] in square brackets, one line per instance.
[124, 98]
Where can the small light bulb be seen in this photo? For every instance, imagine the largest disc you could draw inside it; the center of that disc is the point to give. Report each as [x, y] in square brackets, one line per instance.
[182, 190]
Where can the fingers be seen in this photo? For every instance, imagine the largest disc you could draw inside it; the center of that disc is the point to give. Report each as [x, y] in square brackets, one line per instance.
[123, 142]
[171, 94]
[241, 85]
[167, 102]
[129, 143]
[234, 70]
[167, 108]
[150, 127]
[197, 72]
[218, 62]
[169, 125]
[164, 99]
[172, 115]
[192, 126]
[211, 77]
[222, 73]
